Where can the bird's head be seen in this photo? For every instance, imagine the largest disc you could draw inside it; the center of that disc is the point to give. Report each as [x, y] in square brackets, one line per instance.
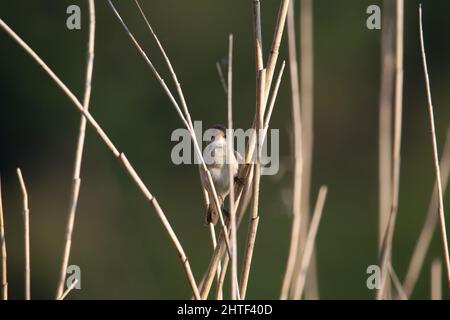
[218, 132]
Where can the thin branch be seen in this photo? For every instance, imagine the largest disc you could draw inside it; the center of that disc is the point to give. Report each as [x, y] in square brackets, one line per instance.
[436, 280]
[4, 292]
[398, 99]
[26, 219]
[185, 118]
[230, 152]
[395, 178]
[398, 285]
[205, 286]
[385, 119]
[307, 109]
[259, 116]
[435, 151]
[257, 35]
[309, 244]
[298, 159]
[68, 290]
[76, 181]
[245, 170]
[273, 99]
[120, 156]
[254, 218]
[426, 234]
[276, 42]
[244, 195]
[166, 59]
[226, 260]
[212, 231]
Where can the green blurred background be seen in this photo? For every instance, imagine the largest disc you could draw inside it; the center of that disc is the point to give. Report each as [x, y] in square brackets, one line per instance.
[118, 241]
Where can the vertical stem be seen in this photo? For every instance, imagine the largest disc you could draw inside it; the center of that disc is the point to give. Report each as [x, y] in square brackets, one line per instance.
[298, 159]
[79, 152]
[230, 152]
[275, 48]
[299, 286]
[254, 218]
[257, 34]
[4, 292]
[395, 178]
[26, 219]
[223, 272]
[435, 151]
[426, 234]
[436, 280]
[385, 123]
[385, 134]
[307, 107]
[212, 231]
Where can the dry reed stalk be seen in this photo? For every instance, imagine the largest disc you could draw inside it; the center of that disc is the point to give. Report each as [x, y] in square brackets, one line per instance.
[230, 152]
[436, 280]
[226, 260]
[435, 151]
[426, 234]
[275, 48]
[245, 170]
[395, 166]
[298, 160]
[257, 35]
[307, 253]
[4, 292]
[219, 251]
[68, 290]
[385, 116]
[212, 231]
[307, 110]
[220, 279]
[398, 285]
[273, 99]
[26, 219]
[76, 180]
[254, 217]
[385, 124]
[243, 203]
[260, 97]
[118, 155]
[185, 118]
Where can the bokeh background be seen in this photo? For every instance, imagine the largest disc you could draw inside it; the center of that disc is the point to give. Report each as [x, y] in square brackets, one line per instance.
[118, 242]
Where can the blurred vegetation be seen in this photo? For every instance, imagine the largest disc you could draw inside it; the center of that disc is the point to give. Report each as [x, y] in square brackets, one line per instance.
[118, 241]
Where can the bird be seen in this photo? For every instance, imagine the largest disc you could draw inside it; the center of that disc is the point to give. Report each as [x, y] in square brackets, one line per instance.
[215, 155]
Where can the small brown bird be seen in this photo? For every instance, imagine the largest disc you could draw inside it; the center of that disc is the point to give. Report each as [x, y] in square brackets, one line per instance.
[216, 160]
